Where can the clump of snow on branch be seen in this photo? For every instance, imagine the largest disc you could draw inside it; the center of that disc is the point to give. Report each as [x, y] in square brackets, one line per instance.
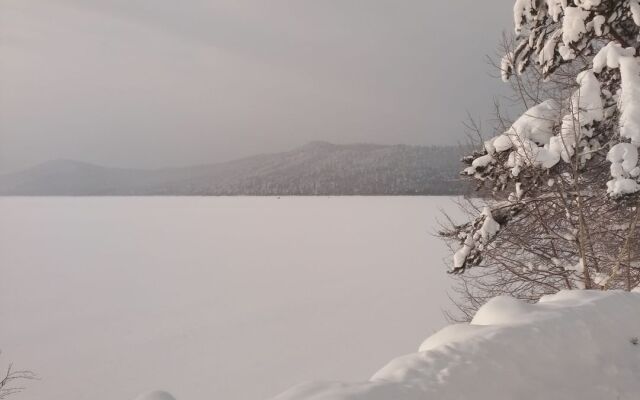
[573, 28]
[624, 156]
[479, 163]
[555, 8]
[624, 161]
[506, 67]
[585, 108]
[528, 137]
[477, 236]
[634, 5]
[614, 56]
[536, 124]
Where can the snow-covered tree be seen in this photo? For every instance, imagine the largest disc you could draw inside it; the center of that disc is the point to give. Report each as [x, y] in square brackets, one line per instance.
[561, 180]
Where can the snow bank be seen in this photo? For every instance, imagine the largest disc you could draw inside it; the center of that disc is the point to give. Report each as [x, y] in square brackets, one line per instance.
[572, 345]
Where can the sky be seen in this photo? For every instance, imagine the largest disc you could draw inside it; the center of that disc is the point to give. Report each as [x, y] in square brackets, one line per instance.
[159, 83]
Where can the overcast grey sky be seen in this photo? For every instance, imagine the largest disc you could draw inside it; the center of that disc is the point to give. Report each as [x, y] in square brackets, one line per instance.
[152, 83]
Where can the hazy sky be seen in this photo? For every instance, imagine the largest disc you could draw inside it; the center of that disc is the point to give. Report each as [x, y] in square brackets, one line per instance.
[151, 83]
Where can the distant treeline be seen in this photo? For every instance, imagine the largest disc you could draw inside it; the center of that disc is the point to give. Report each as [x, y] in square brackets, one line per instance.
[318, 168]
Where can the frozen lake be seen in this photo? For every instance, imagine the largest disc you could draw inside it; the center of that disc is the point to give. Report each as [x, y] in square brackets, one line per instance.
[214, 298]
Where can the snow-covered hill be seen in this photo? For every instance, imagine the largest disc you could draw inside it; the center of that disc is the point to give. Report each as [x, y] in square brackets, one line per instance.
[572, 345]
[318, 168]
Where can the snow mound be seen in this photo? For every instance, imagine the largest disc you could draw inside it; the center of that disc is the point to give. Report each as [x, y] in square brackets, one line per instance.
[156, 395]
[572, 345]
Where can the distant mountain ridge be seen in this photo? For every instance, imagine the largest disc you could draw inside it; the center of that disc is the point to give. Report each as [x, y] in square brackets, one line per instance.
[318, 168]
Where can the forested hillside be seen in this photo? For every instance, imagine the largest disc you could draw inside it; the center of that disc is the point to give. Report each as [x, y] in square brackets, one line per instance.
[318, 168]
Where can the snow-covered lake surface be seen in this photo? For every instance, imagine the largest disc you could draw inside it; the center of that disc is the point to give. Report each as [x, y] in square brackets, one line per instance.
[214, 298]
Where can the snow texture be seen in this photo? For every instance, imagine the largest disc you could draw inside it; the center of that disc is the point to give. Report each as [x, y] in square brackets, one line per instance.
[586, 107]
[499, 144]
[598, 23]
[461, 255]
[536, 124]
[555, 8]
[214, 297]
[612, 56]
[547, 55]
[623, 158]
[522, 10]
[489, 227]
[573, 28]
[480, 238]
[572, 345]
[529, 137]
[586, 102]
[621, 186]
[480, 162]
[630, 99]
[634, 5]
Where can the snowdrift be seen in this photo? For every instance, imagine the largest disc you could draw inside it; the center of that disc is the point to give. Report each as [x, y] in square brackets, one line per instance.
[572, 345]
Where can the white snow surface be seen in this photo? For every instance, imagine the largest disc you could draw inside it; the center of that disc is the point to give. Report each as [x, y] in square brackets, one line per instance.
[572, 345]
[532, 139]
[536, 124]
[573, 24]
[621, 186]
[598, 23]
[586, 107]
[586, 102]
[623, 158]
[229, 298]
[612, 56]
[634, 5]
[630, 99]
